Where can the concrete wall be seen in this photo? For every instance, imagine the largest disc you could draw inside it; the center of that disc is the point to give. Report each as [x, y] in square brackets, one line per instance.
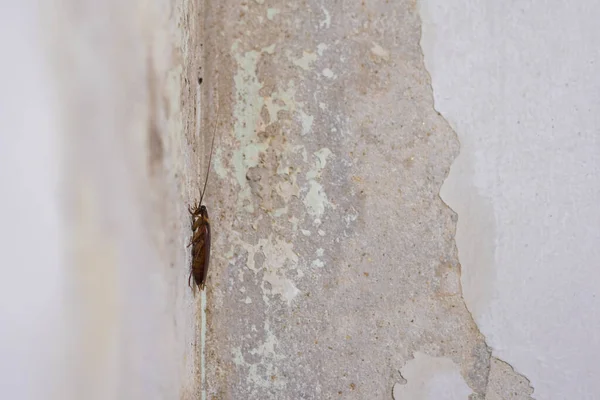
[335, 272]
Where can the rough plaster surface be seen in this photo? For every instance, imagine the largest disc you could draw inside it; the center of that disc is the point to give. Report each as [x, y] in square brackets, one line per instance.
[333, 255]
[518, 82]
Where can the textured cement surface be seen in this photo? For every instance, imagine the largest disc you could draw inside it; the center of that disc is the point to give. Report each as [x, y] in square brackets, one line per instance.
[334, 259]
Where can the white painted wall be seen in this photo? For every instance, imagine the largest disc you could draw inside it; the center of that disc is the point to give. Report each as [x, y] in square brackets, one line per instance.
[89, 305]
[31, 235]
[519, 83]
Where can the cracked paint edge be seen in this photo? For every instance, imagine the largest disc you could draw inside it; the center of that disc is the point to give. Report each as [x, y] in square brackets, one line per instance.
[428, 68]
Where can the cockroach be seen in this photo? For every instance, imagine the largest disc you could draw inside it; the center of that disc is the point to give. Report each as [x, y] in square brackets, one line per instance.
[200, 240]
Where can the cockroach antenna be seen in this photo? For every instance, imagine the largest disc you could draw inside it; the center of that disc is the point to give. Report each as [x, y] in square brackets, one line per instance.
[212, 147]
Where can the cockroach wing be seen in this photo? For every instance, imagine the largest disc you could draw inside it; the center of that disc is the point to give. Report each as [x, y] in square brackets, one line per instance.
[201, 254]
[206, 251]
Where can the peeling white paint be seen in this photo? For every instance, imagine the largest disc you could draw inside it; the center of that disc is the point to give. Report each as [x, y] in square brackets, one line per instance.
[431, 378]
[271, 13]
[218, 164]
[246, 114]
[321, 47]
[350, 216]
[326, 23]
[237, 356]
[279, 254]
[304, 154]
[328, 73]
[306, 60]
[279, 212]
[307, 122]
[316, 199]
[288, 189]
[280, 259]
[248, 123]
[263, 373]
[519, 84]
[282, 100]
[380, 51]
[269, 49]
[320, 164]
[294, 221]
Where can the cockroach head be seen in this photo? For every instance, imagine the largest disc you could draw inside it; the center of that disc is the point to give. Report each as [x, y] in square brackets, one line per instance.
[195, 209]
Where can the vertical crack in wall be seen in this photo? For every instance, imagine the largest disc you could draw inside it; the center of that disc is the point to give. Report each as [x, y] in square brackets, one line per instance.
[502, 380]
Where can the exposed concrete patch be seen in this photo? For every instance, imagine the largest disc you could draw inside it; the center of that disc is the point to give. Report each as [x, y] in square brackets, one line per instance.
[505, 384]
[330, 231]
[503, 381]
